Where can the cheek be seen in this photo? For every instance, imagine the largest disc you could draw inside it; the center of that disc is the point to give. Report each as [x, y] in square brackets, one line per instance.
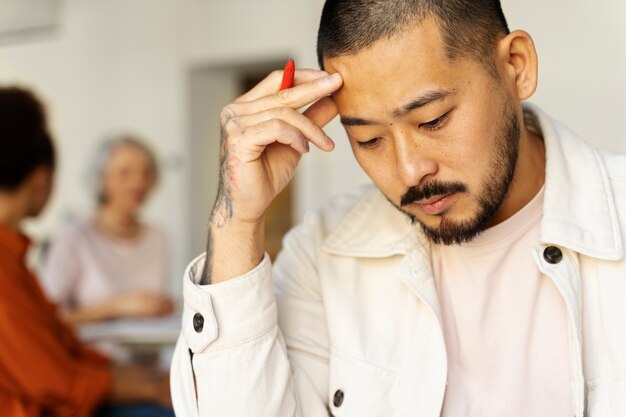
[115, 185]
[469, 154]
[380, 167]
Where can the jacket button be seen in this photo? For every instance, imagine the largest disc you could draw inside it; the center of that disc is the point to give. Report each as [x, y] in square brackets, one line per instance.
[552, 255]
[338, 398]
[198, 322]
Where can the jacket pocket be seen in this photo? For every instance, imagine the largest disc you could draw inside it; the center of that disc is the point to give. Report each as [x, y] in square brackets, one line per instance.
[360, 389]
[607, 399]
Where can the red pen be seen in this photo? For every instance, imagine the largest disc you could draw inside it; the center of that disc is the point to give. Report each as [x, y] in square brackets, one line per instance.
[288, 74]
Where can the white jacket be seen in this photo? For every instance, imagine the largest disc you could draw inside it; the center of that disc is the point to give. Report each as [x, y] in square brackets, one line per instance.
[347, 321]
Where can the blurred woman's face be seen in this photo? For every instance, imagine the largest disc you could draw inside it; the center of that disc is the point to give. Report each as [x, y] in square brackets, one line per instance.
[128, 179]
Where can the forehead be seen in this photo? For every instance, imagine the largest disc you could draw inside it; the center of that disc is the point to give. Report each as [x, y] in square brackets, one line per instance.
[126, 151]
[127, 155]
[392, 71]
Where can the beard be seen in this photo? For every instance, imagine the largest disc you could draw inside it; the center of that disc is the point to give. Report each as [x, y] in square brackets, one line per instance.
[493, 193]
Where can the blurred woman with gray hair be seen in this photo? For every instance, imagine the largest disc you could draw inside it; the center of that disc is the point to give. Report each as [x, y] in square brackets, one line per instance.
[112, 265]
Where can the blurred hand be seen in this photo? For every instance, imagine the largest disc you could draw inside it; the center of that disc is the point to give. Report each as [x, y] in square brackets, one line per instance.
[142, 304]
[136, 384]
[164, 398]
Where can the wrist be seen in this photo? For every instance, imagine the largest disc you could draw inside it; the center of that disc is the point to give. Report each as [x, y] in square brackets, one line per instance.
[234, 248]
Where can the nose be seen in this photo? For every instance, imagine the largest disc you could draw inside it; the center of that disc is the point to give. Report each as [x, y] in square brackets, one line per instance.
[413, 161]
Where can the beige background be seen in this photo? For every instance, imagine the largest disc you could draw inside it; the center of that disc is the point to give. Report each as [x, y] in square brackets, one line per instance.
[164, 68]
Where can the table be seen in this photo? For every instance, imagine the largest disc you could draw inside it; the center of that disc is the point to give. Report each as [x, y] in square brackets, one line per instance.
[147, 341]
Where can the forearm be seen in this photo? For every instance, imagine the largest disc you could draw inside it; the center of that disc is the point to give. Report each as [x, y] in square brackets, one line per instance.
[91, 313]
[233, 247]
[230, 336]
[239, 344]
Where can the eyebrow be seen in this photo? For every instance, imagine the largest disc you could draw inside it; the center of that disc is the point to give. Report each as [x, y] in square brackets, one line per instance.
[420, 101]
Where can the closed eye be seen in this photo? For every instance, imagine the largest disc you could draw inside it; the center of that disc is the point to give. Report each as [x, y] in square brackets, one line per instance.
[435, 124]
[368, 144]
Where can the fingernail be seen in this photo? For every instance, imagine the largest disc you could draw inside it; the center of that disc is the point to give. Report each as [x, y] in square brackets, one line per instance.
[330, 142]
[306, 146]
[333, 78]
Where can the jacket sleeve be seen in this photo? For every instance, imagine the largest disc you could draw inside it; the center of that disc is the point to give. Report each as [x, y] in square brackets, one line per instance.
[37, 370]
[240, 362]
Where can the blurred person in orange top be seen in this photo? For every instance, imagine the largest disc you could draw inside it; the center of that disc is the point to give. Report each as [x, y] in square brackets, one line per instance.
[112, 265]
[44, 369]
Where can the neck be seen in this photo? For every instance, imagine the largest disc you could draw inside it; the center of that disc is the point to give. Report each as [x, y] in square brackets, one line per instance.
[118, 222]
[12, 210]
[528, 179]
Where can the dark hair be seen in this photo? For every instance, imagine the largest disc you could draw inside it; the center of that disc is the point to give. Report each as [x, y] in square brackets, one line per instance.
[467, 27]
[25, 143]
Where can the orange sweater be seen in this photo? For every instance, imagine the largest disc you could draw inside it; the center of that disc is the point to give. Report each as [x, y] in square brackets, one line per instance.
[44, 369]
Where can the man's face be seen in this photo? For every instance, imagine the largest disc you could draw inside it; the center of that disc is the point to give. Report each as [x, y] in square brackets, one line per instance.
[438, 137]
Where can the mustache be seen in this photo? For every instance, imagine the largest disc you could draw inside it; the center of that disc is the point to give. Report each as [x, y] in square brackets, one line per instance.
[431, 189]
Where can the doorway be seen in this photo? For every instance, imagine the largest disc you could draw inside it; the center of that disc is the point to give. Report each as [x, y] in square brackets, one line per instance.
[210, 89]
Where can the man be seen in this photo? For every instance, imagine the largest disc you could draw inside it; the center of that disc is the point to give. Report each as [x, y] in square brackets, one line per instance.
[44, 369]
[484, 274]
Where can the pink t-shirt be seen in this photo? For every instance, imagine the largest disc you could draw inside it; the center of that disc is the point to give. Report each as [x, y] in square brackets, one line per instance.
[504, 323]
[86, 266]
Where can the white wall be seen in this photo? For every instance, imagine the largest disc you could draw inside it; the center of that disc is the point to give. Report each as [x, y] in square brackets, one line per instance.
[125, 64]
[240, 31]
[112, 66]
[582, 63]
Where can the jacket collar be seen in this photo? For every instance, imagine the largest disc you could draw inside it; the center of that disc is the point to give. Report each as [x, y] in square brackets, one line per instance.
[579, 210]
[373, 228]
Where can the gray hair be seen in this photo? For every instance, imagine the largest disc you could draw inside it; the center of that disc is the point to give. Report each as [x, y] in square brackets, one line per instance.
[103, 156]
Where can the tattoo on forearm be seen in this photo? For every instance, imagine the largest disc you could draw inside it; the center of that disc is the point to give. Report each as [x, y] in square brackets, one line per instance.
[223, 208]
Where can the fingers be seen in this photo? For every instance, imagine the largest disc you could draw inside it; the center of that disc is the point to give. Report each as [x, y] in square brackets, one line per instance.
[148, 304]
[322, 111]
[294, 98]
[275, 130]
[298, 96]
[263, 116]
[163, 305]
[306, 127]
[271, 83]
[167, 307]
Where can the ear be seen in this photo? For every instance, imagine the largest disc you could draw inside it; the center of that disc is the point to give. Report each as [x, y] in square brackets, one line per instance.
[39, 182]
[39, 178]
[517, 53]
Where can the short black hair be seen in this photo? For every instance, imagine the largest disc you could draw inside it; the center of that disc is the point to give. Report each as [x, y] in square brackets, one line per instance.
[25, 143]
[469, 28]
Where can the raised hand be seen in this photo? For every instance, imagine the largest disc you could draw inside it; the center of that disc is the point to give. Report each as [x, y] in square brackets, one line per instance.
[263, 138]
